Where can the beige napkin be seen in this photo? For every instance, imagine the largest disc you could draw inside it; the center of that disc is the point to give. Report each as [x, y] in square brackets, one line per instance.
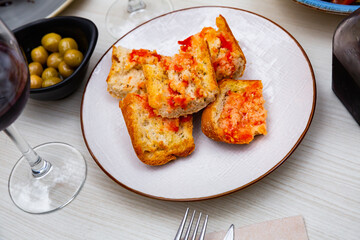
[290, 228]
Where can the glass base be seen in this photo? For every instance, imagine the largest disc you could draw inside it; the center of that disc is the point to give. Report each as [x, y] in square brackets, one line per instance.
[119, 20]
[55, 189]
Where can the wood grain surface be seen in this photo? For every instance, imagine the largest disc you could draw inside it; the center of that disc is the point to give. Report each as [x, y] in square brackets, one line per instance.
[320, 181]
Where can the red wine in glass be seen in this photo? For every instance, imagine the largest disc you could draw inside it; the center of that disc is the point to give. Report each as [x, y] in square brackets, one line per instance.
[14, 85]
[48, 177]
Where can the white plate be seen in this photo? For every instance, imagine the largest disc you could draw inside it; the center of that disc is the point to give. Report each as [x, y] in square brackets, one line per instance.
[214, 169]
[16, 13]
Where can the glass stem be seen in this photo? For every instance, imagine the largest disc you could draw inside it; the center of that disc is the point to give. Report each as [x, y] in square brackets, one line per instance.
[39, 167]
[135, 5]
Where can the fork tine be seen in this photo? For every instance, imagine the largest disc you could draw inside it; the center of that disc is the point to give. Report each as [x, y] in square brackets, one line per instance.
[181, 228]
[196, 227]
[203, 230]
[189, 226]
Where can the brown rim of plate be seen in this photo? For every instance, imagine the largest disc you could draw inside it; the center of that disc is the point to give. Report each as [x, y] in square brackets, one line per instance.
[227, 192]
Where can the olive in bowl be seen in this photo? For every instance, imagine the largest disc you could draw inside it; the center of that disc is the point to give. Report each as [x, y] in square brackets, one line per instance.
[30, 37]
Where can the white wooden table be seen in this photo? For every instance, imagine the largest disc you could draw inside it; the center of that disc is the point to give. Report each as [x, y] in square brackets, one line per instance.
[320, 181]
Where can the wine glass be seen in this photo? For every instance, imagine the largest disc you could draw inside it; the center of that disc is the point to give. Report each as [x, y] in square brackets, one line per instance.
[49, 176]
[124, 15]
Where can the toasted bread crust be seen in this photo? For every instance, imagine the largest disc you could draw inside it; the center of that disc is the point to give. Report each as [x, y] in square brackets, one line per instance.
[156, 140]
[223, 26]
[183, 84]
[226, 54]
[236, 123]
[126, 75]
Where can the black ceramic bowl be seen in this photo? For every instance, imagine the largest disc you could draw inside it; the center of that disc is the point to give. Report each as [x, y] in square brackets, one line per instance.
[82, 30]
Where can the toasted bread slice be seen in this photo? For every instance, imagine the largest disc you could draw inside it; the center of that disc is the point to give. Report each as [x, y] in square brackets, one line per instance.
[156, 140]
[226, 55]
[126, 73]
[238, 114]
[184, 83]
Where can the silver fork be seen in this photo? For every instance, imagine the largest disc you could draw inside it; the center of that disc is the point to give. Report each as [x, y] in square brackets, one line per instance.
[189, 227]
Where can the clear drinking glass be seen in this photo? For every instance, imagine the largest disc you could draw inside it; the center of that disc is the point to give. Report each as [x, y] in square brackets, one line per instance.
[49, 176]
[123, 15]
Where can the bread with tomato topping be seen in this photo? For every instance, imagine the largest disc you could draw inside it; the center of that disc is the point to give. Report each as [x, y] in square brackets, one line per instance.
[238, 114]
[126, 73]
[156, 140]
[226, 54]
[182, 84]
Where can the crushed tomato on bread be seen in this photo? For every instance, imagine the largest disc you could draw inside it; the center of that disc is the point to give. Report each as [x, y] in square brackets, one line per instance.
[159, 93]
[227, 57]
[182, 84]
[238, 114]
[126, 73]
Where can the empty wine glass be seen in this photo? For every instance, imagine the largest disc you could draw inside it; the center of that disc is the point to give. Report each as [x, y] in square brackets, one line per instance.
[49, 176]
[124, 15]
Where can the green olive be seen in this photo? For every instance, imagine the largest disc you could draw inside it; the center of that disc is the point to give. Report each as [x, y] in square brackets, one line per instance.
[35, 81]
[73, 57]
[39, 55]
[51, 42]
[49, 72]
[35, 68]
[65, 70]
[66, 44]
[50, 81]
[54, 59]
